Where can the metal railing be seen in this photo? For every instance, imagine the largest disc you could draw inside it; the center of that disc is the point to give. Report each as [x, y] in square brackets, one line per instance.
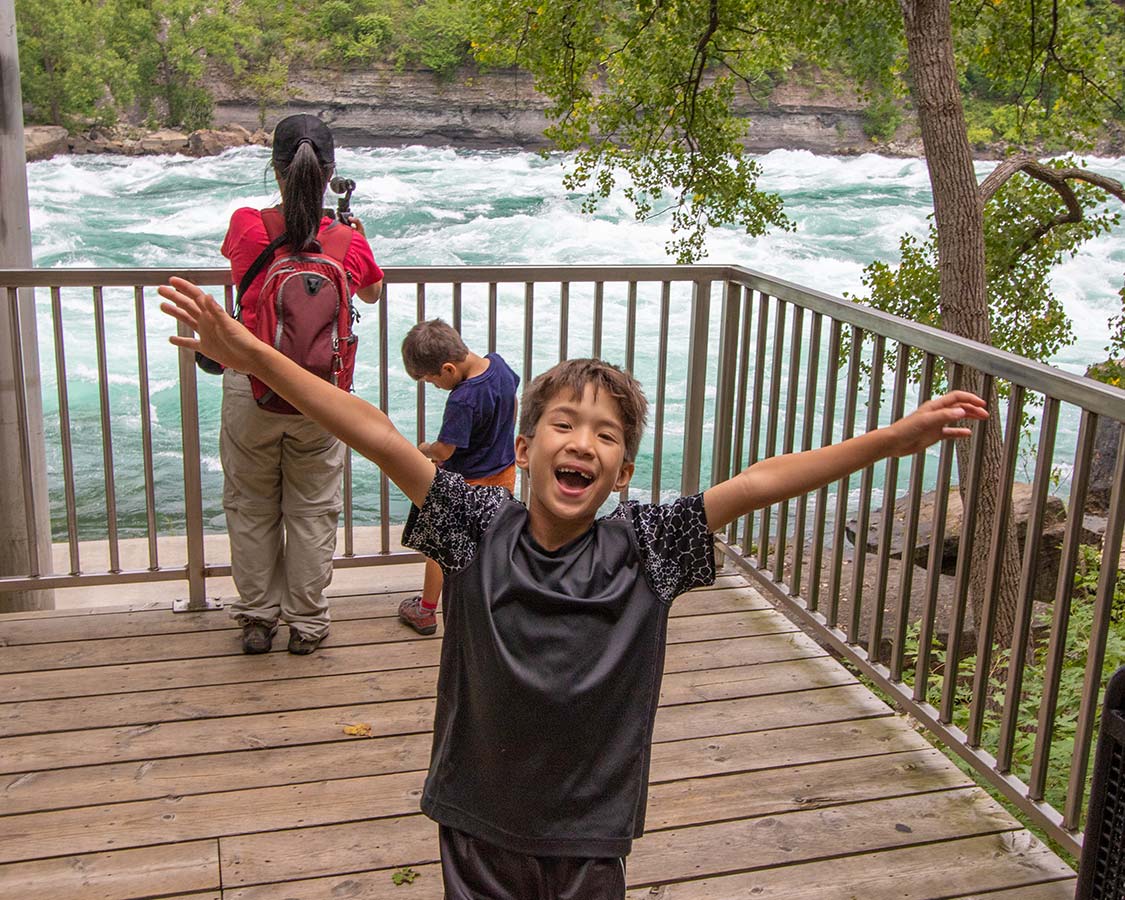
[740, 367]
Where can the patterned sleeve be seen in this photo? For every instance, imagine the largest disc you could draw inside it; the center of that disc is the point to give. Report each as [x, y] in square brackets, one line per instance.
[452, 520]
[676, 546]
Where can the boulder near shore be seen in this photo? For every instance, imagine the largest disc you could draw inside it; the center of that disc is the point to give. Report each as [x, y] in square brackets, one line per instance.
[44, 141]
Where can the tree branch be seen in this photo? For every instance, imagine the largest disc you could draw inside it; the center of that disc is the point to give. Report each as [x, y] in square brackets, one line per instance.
[1058, 179]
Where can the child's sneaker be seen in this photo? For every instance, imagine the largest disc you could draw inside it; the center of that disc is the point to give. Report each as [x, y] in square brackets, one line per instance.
[413, 613]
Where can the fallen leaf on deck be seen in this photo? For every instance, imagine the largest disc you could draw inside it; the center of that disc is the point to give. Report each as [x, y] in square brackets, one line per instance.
[359, 729]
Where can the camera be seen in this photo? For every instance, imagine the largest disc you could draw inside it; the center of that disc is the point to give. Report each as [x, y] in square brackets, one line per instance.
[343, 186]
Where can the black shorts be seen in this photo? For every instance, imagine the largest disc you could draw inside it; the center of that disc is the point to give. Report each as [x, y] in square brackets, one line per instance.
[476, 870]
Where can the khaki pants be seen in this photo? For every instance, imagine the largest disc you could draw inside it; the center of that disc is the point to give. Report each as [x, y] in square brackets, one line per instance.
[281, 493]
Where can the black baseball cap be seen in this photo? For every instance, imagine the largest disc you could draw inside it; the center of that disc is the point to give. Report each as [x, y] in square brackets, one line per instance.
[292, 131]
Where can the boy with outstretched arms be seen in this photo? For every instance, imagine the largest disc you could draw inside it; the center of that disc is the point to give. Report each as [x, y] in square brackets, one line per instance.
[555, 619]
[476, 435]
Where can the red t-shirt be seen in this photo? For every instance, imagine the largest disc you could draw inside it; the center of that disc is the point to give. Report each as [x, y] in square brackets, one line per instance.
[247, 237]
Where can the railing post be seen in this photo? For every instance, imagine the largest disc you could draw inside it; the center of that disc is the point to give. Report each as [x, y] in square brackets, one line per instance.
[25, 528]
[696, 387]
[193, 488]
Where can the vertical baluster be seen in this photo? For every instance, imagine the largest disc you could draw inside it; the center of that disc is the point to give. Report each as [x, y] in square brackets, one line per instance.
[964, 564]
[743, 384]
[384, 405]
[631, 327]
[820, 513]
[528, 351]
[788, 435]
[696, 387]
[996, 548]
[564, 319]
[35, 565]
[807, 422]
[933, 563]
[457, 306]
[1060, 609]
[661, 386]
[756, 406]
[349, 512]
[771, 425]
[193, 485]
[146, 427]
[420, 386]
[599, 310]
[107, 432]
[726, 374]
[890, 497]
[630, 347]
[1021, 633]
[64, 433]
[910, 532]
[492, 301]
[843, 485]
[866, 483]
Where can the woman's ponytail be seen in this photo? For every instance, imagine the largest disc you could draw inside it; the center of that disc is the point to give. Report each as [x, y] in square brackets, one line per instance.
[302, 196]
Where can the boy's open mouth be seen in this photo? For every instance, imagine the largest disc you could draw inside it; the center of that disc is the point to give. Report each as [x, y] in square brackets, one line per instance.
[573, 480]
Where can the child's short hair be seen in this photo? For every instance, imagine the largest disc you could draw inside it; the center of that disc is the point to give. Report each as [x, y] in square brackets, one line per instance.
[573, 375]
[430, 345]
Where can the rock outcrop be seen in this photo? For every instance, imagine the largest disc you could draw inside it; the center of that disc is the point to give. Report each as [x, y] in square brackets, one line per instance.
[44, 141]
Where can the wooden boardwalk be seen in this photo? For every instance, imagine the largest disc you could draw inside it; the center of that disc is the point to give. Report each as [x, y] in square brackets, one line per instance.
[142, 755]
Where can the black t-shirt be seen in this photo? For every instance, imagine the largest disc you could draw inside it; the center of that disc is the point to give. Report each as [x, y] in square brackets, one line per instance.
[551, 666]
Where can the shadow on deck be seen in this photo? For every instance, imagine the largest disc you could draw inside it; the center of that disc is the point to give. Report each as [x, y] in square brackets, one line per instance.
[142, 755]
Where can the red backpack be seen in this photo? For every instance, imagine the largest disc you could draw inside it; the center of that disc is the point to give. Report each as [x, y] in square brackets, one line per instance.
[304, 309]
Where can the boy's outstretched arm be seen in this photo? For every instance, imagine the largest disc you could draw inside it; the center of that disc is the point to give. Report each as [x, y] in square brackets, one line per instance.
[781, 477]
[354, 421]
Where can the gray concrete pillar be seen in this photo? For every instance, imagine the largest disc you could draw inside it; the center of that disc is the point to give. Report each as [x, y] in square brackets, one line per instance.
[17, 545]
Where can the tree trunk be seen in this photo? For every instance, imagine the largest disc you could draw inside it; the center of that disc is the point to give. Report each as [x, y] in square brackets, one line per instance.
[959, 220]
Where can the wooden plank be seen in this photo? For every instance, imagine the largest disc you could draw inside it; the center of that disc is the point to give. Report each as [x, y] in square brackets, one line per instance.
[332, 660]
[249, 698]
[705, 850]
[754, 680]
[778, 747]
[170, 820]
[34, 753]
[1055, 890]
[326, 851]
[834, 704]
[117, 875]
[693, 801]
[376, 885]
[1002, 860]
[186, 775]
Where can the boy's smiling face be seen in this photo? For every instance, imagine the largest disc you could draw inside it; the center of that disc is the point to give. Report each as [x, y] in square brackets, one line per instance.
[575, 460]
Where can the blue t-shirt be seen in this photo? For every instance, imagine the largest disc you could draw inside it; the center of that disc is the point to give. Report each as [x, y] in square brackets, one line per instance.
[480, 421]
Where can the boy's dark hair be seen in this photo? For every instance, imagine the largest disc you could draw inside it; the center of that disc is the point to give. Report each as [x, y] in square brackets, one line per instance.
[572, 376]
[430, 345]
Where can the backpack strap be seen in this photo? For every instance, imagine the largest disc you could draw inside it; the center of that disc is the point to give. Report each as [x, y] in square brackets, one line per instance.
[271, 218]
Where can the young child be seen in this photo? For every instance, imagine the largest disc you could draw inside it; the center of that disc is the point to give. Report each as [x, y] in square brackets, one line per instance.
[477, 430]
[555, 620]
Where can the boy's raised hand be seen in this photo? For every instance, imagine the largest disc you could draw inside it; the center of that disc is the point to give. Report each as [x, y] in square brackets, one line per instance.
[936, 419]
[220, 337]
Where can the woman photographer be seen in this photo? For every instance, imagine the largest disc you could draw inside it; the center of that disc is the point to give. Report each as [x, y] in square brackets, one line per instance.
[281, 489]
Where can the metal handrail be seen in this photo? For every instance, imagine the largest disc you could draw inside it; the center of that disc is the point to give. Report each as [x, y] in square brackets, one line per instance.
[751, 385]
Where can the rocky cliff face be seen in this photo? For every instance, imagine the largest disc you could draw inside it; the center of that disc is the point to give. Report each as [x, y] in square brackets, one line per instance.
[387, 106]
[390, 107]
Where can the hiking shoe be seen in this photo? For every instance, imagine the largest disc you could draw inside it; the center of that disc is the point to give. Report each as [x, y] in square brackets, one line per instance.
[413, 613]
[303, 645]
[257, 637]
